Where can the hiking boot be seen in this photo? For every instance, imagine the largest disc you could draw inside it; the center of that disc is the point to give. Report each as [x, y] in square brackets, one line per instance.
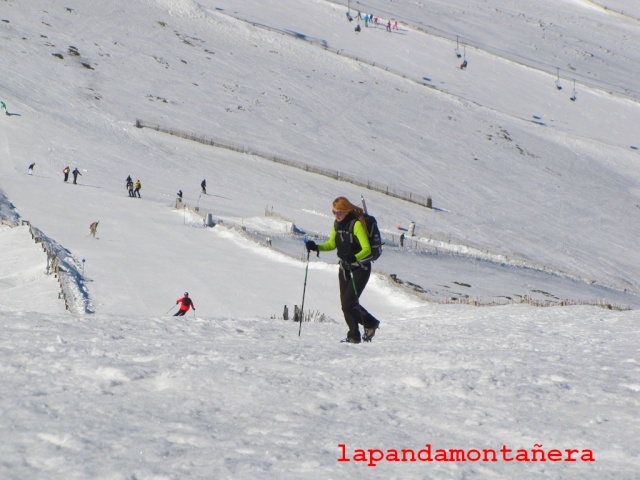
[370, 332]
[350, 340]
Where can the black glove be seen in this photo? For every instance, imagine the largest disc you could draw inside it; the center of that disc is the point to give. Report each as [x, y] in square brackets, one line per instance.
[311, 246]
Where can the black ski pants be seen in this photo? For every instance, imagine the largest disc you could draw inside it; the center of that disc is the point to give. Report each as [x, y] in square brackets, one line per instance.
[180, 313]
[352, 285]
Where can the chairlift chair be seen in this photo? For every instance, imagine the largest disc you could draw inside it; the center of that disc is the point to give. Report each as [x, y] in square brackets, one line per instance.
[458, 54]
[558, 86]
[464, 63]
[574, 96]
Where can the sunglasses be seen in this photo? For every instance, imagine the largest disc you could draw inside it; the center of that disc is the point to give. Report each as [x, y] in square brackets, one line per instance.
[338, 214]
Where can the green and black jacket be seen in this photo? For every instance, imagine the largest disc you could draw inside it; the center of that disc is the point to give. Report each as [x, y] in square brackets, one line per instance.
[349, 237]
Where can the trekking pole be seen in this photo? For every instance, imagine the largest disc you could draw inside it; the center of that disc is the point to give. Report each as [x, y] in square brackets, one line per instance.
[304, 290]
[353, 282]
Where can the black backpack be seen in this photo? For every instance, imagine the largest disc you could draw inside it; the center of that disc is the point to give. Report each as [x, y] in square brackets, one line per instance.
[375, 239]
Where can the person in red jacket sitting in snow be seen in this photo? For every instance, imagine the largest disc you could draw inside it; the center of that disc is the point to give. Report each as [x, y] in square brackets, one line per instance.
[185, 302]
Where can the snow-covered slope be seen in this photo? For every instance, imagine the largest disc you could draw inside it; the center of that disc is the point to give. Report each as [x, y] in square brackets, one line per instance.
[535, 195]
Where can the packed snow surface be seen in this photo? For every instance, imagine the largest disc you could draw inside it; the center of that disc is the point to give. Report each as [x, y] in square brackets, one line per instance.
[530, 156]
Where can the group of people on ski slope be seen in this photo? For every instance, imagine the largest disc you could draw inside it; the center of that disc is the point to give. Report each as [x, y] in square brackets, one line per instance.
[370, 18]
[66, 170]
[133, 188]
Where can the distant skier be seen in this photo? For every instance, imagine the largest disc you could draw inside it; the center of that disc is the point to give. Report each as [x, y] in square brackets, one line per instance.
[358, 29]
[203, 184]
[137, 188]
[463, 65]
[3, 106]
[179, 194]
[389, 26]
[130, 186]
[75, 174]
[66, 171]
[30, 171]
[93, 229]
[185, 303]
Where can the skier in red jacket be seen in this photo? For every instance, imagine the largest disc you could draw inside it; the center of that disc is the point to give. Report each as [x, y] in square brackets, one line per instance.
[185, 302]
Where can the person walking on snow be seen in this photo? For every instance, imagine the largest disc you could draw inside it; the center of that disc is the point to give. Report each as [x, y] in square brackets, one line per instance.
[30, 171]
[137, 188]
[93, 229]
[130, 186]
[185, 302]
[75, 174]
[349, 237]
[66, 171]
[203, 184]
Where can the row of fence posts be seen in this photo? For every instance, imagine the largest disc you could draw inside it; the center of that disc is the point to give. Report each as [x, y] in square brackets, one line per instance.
[425, 201]
[52, 265]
